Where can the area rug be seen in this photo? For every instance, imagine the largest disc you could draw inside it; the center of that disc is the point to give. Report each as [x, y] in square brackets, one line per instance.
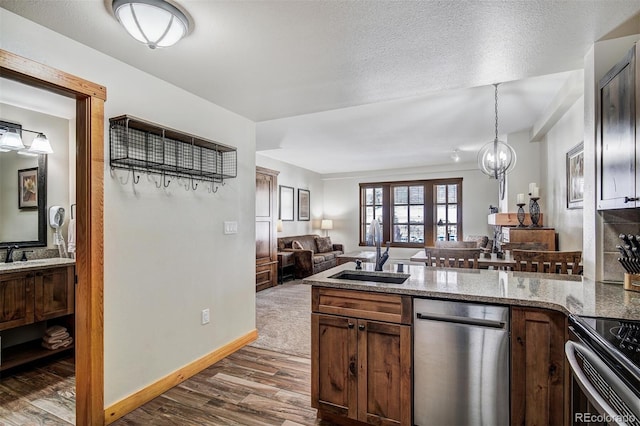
[283, 319]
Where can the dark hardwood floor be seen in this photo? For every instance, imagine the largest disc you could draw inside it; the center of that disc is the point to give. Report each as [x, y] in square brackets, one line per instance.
[251, 387]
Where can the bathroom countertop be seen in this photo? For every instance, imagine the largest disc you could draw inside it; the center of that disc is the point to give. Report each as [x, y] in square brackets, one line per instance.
[570, 294]
[18, 266]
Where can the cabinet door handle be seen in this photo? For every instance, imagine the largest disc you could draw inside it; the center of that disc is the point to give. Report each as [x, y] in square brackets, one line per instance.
[361, 327]
[350, 325]
[630, 199]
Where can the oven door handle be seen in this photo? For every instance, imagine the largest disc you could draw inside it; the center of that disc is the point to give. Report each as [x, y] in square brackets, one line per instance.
[609, 376]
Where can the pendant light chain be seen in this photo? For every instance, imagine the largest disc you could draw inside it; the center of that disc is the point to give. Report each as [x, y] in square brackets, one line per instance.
[496, 97]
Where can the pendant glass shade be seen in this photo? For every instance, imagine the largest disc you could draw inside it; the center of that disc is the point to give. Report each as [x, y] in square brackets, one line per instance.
[11, 140]
[41, 145]
[156, 23]
[496, 158]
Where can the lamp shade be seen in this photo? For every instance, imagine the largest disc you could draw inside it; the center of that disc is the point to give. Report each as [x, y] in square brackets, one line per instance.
[41, 145]
[326, 224]
[279, 225]
[11, 140]
[156, 23]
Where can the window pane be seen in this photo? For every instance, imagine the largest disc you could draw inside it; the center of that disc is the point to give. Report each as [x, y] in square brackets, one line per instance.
[453, 193]
[378, 214]
[400, 214]
[453, 213]
[378, 196]
[440, 233]
[368, 215]
[441, 214]
[416, 214]
[416, 234]
[416, 195]
[368, 196]
[453, 233]
[441, 193]
[400, 233]
[400, 195]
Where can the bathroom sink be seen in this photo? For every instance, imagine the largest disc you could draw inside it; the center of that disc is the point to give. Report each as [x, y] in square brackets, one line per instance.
[378, 277]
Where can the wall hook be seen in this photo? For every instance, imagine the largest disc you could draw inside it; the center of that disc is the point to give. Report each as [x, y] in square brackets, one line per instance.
[194, 187]
[155, 181]
[165, 182]
[211, 188]
[136, 179]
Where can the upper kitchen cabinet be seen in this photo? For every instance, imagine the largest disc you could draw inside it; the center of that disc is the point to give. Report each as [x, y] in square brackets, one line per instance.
[617, 169]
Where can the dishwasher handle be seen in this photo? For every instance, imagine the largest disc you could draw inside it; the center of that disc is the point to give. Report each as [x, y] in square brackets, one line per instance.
[480, 322]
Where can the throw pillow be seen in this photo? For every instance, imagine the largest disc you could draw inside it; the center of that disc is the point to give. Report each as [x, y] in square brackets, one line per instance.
[324, 244]
[295, 244]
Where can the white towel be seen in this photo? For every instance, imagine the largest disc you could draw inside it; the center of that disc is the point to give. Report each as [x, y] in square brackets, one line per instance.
[72, 236]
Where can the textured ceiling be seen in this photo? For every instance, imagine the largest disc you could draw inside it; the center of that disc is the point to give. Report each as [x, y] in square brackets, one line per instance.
[270, 60]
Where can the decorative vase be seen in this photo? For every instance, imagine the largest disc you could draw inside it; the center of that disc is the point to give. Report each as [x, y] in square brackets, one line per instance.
[534, 212]
[520, 215]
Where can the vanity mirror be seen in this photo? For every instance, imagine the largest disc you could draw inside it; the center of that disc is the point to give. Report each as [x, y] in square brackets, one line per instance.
[25, 227]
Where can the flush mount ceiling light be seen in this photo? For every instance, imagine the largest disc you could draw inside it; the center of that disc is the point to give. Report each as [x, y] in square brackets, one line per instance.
[496, 158]
[455, 156]
[156, 23]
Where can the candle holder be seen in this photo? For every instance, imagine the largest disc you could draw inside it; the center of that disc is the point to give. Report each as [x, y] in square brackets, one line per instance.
[520, 215]
[534, 212]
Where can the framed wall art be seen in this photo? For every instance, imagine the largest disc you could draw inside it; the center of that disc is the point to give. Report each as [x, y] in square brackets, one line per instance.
[285, 203]
[304, 208]
[575, 177]
[28, 188]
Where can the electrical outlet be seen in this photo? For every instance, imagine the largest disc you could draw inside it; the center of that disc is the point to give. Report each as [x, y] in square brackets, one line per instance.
[205, 316]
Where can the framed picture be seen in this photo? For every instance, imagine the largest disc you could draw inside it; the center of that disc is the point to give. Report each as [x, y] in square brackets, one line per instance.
[575, 177]
[28, 188]
[303, 205]
[285, 203]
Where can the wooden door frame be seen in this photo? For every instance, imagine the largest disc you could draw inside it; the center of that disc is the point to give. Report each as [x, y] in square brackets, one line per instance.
[90, 98]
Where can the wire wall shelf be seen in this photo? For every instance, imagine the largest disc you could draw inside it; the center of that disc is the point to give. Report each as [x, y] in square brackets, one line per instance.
[140, 146]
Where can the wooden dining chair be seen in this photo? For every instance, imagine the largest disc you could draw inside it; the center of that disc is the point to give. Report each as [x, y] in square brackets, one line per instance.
[524, 246]
[453, 257]
[550, 262]
[456, 244]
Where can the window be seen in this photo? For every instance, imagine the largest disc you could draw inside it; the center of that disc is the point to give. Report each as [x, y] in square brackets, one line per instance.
[413, 213]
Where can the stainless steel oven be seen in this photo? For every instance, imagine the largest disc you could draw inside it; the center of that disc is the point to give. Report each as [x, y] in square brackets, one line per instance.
[604, 357]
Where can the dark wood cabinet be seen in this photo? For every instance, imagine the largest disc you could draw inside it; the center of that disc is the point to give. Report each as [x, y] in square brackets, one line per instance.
[515, 236]
[537, 367]
[16, 294]
[35, 296]
[361, 357]
[266, 242]
[617, 163]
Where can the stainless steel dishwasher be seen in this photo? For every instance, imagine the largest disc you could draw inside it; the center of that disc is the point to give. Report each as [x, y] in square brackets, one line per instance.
[461, 363]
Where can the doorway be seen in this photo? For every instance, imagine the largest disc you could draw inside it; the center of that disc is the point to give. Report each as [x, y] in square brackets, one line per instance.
[90, 98]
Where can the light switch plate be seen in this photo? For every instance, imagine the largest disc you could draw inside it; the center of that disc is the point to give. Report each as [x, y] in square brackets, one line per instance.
[231, 227]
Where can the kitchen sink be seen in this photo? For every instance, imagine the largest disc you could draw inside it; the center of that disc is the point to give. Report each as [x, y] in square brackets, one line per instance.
[378, 277]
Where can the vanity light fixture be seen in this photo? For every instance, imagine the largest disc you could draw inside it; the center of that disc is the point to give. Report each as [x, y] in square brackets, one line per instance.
[496, 158]
[157, 23]
[12, 141]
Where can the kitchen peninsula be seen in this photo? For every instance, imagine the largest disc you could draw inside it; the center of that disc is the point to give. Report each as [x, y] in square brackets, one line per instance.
[363, 336]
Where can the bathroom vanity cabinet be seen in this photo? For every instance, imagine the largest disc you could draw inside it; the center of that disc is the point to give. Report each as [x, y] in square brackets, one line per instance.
[33, 296]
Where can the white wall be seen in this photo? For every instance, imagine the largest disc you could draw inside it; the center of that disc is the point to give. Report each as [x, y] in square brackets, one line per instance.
[22, 225]
[166, 257]
[567, 133]
[298, 178]
[341, 199]
[527, 170]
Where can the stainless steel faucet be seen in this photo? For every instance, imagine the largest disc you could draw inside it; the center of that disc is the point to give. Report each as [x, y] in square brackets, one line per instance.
[9, 257]
[374, 237]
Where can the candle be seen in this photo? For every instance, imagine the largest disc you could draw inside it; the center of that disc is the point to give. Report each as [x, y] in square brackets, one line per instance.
[520, 199]
[534, 193]
[532, 185]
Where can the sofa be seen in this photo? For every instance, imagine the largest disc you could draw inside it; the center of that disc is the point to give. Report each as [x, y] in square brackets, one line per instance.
[312, 253]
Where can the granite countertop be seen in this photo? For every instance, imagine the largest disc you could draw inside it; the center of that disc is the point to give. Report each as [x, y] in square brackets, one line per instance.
[565, 293]
[35, 264]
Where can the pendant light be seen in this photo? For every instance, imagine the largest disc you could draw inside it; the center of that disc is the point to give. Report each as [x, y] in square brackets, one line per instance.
[496, 158]
[157, 23]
